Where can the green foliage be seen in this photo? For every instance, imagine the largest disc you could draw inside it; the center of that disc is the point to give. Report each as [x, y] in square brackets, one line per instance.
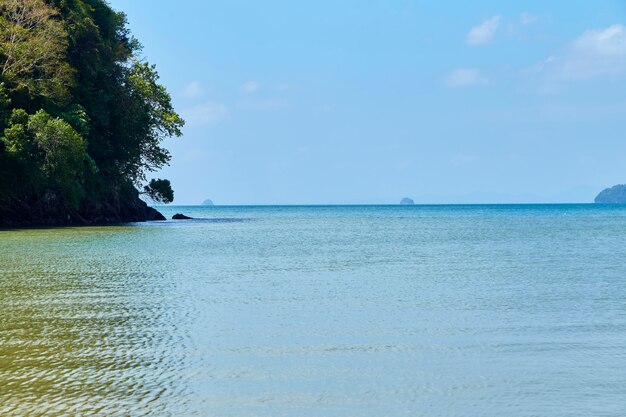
[80, 115]
[160, 191]
[16, 138]
[78, 118]
[47, 151]
[64, 150]
[148, 119]
[33, 43]
[5, 102]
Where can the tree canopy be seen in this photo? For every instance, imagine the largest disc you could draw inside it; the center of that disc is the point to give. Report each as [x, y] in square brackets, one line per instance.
[80, 112]
[34, 44]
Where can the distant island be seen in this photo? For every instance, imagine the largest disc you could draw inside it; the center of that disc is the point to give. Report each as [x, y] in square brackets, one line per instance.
[207, 202]
[613, 195]
[407, 202]
[82, 117]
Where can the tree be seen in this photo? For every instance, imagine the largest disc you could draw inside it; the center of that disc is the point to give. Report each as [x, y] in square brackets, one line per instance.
[63, 149]
[130, 113]
[149, 118]
[81, 116]
[47, 151]
[5, 102]
[33, 47]
[159, 191]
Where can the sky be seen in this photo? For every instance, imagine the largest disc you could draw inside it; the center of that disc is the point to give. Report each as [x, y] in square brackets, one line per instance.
[367, 102]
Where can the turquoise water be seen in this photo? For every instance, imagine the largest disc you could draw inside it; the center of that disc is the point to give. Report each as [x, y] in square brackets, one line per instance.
[320, 311]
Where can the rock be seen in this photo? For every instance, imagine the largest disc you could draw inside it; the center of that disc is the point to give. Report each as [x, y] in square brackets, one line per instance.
[207, 202]
[613, 195]
[119, 205]
[407, 202]
[179, 216]
[153, 215]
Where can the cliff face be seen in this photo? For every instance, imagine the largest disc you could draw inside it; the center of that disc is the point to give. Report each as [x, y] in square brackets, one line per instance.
[120, 206]
[613, 195]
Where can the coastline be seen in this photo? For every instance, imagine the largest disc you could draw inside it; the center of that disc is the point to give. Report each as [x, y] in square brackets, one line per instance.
[121, 206]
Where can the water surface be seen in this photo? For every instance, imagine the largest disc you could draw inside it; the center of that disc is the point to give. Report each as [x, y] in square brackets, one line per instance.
[319, 311]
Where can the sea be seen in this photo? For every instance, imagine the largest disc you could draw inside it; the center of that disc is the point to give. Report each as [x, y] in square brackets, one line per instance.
[481, 310]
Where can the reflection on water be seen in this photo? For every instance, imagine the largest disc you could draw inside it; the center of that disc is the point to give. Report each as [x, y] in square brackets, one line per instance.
[361, 311]
[90, 324]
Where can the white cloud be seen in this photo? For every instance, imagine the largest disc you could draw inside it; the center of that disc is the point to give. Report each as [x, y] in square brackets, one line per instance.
[207, 113]
[595, 53]
[609, 42]
[484, 32]
[250, 87]
[192, 90]
[464, 77]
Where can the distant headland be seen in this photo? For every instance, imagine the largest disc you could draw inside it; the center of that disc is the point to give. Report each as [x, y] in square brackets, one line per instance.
[613, 195]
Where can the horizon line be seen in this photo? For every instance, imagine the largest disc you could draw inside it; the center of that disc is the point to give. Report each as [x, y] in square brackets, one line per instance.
[386, 204]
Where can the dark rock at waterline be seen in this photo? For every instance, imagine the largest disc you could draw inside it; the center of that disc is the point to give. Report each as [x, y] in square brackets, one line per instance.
[407, 202]
[179, 216]
[119, 205]
[613, 195]
[154, 215]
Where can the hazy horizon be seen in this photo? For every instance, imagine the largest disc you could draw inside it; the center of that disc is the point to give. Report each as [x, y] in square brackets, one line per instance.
[328, 103]
[576, 195]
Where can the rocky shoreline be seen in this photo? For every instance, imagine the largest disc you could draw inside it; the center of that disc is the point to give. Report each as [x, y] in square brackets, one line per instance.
[117, 207]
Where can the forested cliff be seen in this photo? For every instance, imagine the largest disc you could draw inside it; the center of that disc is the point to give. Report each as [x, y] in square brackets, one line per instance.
[82, 118]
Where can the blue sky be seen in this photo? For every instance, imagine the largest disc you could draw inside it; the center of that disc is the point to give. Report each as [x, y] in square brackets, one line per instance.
[370, 101]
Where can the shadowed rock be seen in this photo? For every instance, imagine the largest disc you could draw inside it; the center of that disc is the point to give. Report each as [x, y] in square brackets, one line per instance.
[121, 205]
[179, 216]
[154, 215]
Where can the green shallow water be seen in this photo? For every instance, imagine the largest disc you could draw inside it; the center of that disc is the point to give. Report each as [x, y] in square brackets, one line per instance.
[319, 311]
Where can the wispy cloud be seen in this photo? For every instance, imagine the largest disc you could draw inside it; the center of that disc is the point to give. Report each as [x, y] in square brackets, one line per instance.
[207, 113]
[464, 77]
[528, 19]
[595, 53]
[484, 32]
[250, 87]
[192, 90]
[609, 42]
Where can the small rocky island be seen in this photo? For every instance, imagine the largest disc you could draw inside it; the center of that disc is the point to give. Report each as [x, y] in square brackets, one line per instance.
[407, 202]
[207, 202]
[613, 195]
